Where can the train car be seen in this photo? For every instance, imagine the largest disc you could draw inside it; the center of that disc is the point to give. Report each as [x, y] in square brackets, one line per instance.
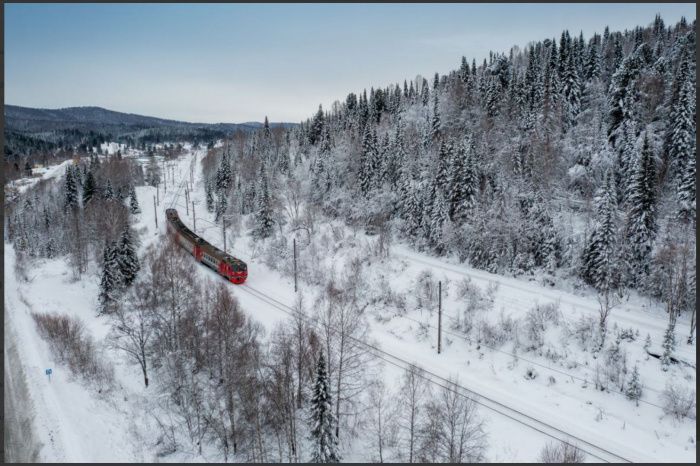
[234, 270]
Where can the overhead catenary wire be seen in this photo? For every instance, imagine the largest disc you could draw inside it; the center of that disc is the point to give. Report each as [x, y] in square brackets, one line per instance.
[437, 379]
[541, 426]
[468, 339]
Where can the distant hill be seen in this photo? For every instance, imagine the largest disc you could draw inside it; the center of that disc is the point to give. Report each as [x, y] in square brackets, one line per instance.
[36, 129]
[40, 119]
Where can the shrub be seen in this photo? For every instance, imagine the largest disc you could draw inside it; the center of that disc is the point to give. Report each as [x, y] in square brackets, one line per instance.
[495, 335]
[561, 452]
[583, 330]
[531, 373]
[474, 297]
[72, 346]
[679, 401]
[426, 290]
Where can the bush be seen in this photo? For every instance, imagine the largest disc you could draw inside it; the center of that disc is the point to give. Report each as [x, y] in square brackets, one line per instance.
[679, 401]
[72, 346]
[584, 330]
[498, 334]
[474, 297]
[561, 452]
[531, 373]
[426, 290]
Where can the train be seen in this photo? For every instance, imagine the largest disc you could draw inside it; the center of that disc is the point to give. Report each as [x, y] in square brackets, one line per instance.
[232, 269]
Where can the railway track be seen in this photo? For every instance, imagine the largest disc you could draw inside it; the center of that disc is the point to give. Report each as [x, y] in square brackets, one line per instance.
[654, 321]
[489, 403]
[509, 412]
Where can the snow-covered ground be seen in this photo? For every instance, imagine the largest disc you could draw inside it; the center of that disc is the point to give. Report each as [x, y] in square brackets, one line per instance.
[75, 423]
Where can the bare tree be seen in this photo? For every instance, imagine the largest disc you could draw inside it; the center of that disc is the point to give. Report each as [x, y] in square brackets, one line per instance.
[281, 391]
[343, 328]
[607, 301]
[131, 327]
[382, 427]
[462, 437]
[561, 452]
[306, 345]
[292, 200]
[413, 391]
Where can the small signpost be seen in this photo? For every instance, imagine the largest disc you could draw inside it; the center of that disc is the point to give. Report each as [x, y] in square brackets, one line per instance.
[48, 372]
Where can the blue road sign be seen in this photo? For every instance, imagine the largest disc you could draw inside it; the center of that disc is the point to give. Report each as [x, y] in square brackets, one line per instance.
[48, 371]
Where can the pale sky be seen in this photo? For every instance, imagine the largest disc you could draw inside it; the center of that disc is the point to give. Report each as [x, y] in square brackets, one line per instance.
[236, 63]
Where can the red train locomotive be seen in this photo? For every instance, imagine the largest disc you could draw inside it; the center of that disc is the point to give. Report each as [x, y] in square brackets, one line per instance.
[234, 270]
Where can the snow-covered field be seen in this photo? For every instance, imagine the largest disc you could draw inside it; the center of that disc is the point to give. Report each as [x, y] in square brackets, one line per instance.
[75, 423]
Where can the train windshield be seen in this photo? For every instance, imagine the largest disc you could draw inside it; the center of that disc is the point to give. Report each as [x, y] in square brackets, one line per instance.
[237, 266]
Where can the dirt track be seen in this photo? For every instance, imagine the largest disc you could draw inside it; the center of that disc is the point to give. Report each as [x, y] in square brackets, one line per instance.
[21, 445]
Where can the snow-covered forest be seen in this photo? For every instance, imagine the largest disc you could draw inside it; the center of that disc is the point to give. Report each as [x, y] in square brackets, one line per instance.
[537, 209]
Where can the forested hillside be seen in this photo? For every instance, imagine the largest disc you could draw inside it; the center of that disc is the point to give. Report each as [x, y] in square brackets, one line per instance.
[572, 156]
[494, 264]
[41, 135]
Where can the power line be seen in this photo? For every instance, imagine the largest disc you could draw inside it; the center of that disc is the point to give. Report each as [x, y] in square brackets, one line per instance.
[377, 353]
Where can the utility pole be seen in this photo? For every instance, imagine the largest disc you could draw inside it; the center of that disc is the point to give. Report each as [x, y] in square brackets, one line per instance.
[439, 317]
[223, 230]
[187, 203]
[165, 177]
[295, 265]
[194, 219]
[158, 194]
[155, 211]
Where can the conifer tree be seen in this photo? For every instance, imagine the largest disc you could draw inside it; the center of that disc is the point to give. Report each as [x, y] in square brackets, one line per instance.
[600, 267]
[88, 188]
[571, 87]
[70, 189]
[464, 70]
[221, 205]
[634, 387]
[641, 220]
[463, 183]
[317, 124]
[669, 343]
[435, 124]
[425, 93]
[683, 124]
[108, 193]
[438, 216]
[366, 172]
[592, 63]
[325, 443]
[224, 175]
[686, 190]
[112, 279]
[209, 189]
[491, 99]
[647, 343]
[264, 221]
[127, 258]
[617, 54]
[619, 95]
[133, 201]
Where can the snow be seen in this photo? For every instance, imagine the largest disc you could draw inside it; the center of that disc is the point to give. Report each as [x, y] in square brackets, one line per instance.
[557, 405]
[519, 413]
[66, 412]
[43, 173]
